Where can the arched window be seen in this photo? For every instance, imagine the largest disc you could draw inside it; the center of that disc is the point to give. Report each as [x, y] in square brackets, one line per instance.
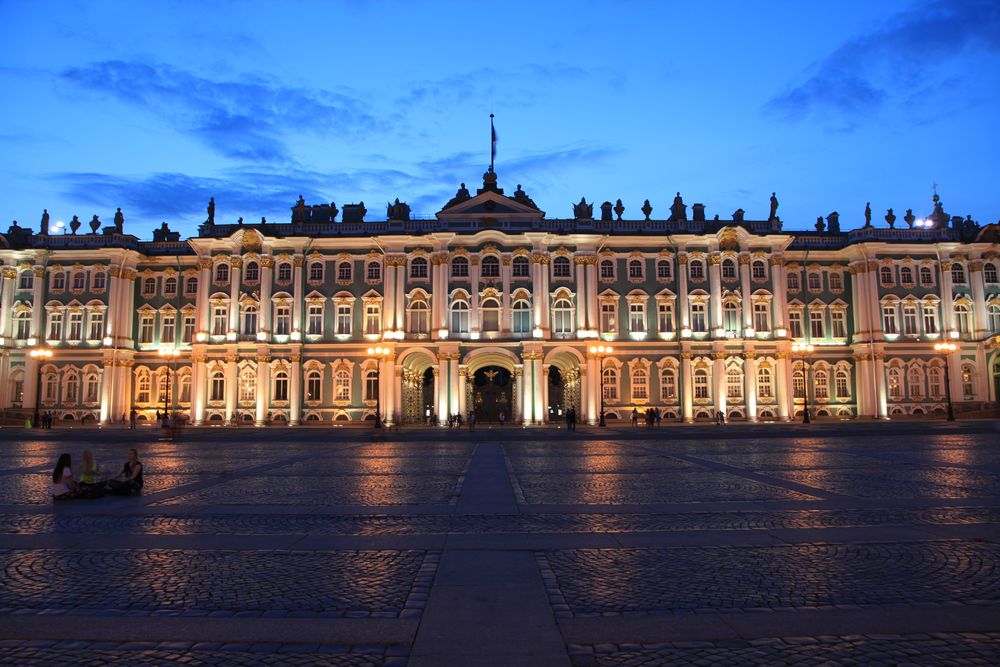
[798, 384]
[701, 383]
[149, 286]
[222, 272]
[764, 385]
[26, 280]
[315, 272]
[957, 273]
[521, 268]
[418, 316]
[22, 325]
[418, 268]
[251, 272]
[734, 383]
[990, 272]
[72, 390]
[915, 383]
[51, 387]
[963, 318]
[248, 385]
[217, 387]
[640, 384]
[460, 267]
[895, 384]
[373, 271]
[161, 387]
[607, 269]
[522, 317]
[371, 384]
[885, 275]
[836, 282]
[191, 285]
[314, 385]
[906, 275]
[934, 385]
[842, 384]
[610, 381]
[729, 270]
[793, 282]
[79, 280]
[170, 286]
[284, 272]
[758, 270]
[342, 386]
[59, 281]
[562, 311]
[345, 271]
[696, 269]
[560, 267]
[663, 270]
[731, 316]
[821, 385]
[490, 267]
[459, 317]
[91, 388]
[668, 385]
[98, 281]
[249, 320]
[635, 269]
[968, 382]
[281, 386]
[926, 276]
[143, 387]
[490, 309]
[184, 391]
[814, 281]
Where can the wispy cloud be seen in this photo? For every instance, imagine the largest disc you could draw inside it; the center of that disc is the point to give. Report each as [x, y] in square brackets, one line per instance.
[244, 118]
[513, 87]
[884, 66]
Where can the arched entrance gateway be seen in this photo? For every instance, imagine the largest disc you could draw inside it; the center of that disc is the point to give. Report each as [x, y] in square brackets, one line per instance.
[492, 394]
[418, 387]
[564, 384]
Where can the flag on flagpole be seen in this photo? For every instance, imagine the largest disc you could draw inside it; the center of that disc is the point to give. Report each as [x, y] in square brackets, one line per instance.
[493, 143]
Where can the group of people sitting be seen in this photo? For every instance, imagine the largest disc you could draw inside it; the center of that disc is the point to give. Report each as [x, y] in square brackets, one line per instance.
[91, 483]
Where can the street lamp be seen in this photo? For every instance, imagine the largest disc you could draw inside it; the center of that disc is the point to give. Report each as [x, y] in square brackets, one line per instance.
[169, 354]
[804, 349]
[40, 354]
[945, 349]
[601, 351]
[378, 353]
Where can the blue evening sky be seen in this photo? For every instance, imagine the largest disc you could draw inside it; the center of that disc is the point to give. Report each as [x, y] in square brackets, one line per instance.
[156, 106]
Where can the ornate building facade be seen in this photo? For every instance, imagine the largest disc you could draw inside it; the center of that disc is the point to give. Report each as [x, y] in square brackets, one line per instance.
[492, 307]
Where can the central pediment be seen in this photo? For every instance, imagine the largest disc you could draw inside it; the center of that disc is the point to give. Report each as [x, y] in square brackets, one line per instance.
[492, 205]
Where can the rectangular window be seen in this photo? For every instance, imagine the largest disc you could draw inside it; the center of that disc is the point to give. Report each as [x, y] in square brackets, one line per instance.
[96, 326]
[146, 329]
[314, 320]
[910, 321]
[343, 320]
[817, 330]
[665, 317]
[55, 326]
[637, 317]
[608, 320]
[169, 329]
[795, 323]
[668, 386]
[282, 320]
[701, 384]
[373, 319]
[187, 332]
[699, 322]
[889, 320]
[838, 320]
[220, 320]
[930, 319]
[761, 317]
[75, 326]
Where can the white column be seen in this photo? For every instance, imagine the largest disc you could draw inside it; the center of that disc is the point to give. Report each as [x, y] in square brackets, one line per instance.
[389, 296]
[545, 393]
[387, 390]
[203, 322]
[507, 316]
[263, 387]
[474, 296]
[592, 291]
[295, 390]
[982, 325]
[687, 388]
[750, 384]
[858, 302]
[715, 287]
[881, 405]
[947, 304]
[780, 291]
[38, 303]
[585, 381]
[232, 385]
[438, 295]
[527, 386]
[198, 387]
[873, 305]
[745, 291]
[400, 294]
[538, 381]
[455, 385]
[783, 373]
[397, 391]
[682, 293]
[538, 303]
[594, 395]
[719, 377]
[266, 279]
[543, 270]
[463, 378]
[128, 311]
[235, 270]
[297, 297]
[582, 302]
[443, 382]
[7, 302]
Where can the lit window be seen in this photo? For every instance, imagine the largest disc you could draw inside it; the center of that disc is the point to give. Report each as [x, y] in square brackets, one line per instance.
[764, 384]
[926, 276]
[316, 272]
[729, 270]
[610, 381]
[344, 271]
[696, 269]
[521, 268]
[522, 317]
[701, 383]
[374, 271]
[418, 268]
[668, 385]
[281, 386]
[490, 309]
[699, 320]
[640, 387]
[560, 267]
[222, 273]
[665, 316]
[562, 311]
[635, 269]
[607, 269]
[637, 317]
[758, 270]
[663, 270]
[490, 267]
[460, 317]
[460, 267]
[251, 272]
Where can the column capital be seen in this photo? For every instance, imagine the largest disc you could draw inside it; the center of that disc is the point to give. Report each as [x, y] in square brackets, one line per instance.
[975, 265]
[717, 355]
[686, 355]
[9, 272]
[236, 261]
[749, 355]
[744, 259]
[205, 263]
[267, 262]
[714, 259]
[777, 261]
[298, 261]
[682, 259]
[39, 271]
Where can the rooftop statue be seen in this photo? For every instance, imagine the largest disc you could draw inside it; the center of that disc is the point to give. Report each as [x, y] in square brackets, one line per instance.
[890, 217]
[299, 210]
[522, 197]
[583, 210]
[820, 225]
[460, 196]
[211, 211]
[95, 224]
[833, 222]
[909, 218]
[619, 208]
[773, 215]
[119, 222]
[738, 215]
[45, 221]
[868, 214]
[606, 211]
[698, 211]
[678, 211]
[74, 224]
[646, 209]
[398, 211]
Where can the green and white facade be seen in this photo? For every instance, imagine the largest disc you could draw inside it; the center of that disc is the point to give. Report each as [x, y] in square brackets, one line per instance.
[273, 322]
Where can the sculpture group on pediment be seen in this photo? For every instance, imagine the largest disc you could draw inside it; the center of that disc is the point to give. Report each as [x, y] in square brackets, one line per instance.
[820, 225]
[583, 210]
[355, 212]
[522, 197]
[397, 211]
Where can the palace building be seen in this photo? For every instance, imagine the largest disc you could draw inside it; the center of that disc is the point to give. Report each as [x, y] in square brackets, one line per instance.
[492, 307]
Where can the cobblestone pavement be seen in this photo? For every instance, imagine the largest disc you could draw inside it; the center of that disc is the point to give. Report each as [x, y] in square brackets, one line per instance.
[697, 545]
[936, 649]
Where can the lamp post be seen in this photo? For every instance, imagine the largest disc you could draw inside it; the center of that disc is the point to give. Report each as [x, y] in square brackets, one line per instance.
[945, 349]
[40, 354]
[601, 351]
[169, 354]
[804, 349]
[378, 353]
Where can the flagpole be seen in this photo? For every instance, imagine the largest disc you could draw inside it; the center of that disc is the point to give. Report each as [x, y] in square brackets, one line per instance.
[493, 143]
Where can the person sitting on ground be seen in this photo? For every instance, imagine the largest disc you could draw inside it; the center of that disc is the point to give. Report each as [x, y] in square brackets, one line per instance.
[129, 480]
[63, 484]
[91, 483]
